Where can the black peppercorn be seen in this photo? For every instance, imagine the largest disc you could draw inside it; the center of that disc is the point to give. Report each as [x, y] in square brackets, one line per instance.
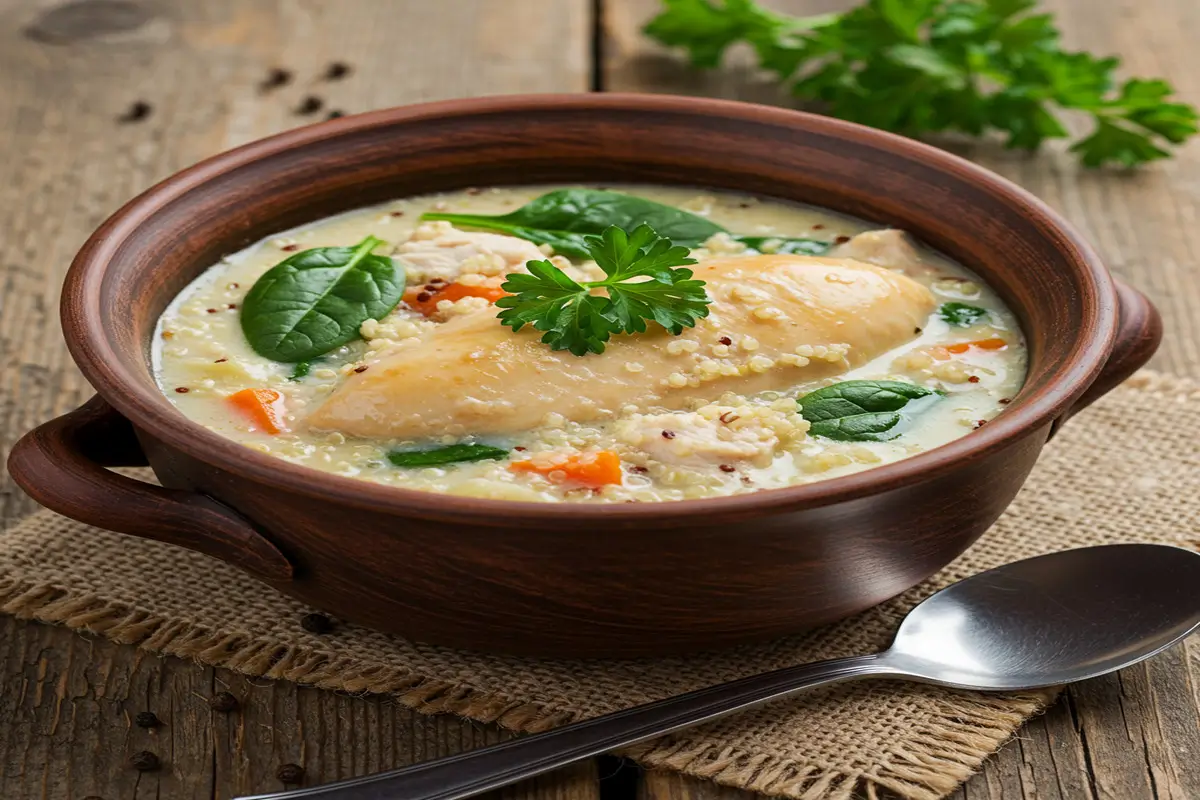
[136, 112]
[337, 70]
[145, 761]
[223, 702]
[316, 623]
[310, 105]
[147, 719]
[290, 773]
[275, 78]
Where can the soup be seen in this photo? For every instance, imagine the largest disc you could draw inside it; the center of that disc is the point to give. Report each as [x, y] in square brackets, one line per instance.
[729, 345]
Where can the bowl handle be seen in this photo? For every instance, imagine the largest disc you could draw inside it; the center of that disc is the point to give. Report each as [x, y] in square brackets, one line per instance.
[1139, 332]
[61, 464]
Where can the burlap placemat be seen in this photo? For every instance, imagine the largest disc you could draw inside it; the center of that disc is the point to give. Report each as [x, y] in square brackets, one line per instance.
[1126, 470]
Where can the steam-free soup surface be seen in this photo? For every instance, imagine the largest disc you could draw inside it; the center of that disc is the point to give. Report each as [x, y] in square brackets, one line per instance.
[723, 407]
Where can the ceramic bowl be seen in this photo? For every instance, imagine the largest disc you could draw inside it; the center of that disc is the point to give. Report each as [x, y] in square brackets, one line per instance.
[569, 579]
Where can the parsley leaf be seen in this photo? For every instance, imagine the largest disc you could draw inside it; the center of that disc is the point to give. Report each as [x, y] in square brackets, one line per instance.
[573, 317]
[927, 66]
[962, 315]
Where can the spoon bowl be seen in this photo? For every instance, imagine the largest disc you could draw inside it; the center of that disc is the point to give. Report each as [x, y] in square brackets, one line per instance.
[1044, 621]
[1054, 619]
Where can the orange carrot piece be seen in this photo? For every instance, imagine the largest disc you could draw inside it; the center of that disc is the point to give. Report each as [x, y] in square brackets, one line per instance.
[425, 300]
[982, 344]
[588, 469]
[264, 407]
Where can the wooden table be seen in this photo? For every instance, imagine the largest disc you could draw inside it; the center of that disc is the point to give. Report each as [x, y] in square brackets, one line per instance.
[72, 77]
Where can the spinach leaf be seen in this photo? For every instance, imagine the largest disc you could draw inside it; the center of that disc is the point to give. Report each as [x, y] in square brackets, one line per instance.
[301, 371]
[315, 301]
[445, 455]
[962, 315]
[564, 217]
[859, 411]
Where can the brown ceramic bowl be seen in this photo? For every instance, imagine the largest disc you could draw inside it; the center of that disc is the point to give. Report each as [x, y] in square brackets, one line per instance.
[569, 580]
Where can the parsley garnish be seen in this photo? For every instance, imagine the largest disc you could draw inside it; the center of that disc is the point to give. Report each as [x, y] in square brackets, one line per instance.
[573, 317]
[925, 66]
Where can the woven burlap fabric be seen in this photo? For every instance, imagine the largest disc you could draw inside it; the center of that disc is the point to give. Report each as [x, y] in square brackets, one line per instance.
[1126, 470]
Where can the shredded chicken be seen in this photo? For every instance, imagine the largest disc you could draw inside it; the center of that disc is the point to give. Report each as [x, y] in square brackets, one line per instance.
[439, 250]
[694, 438]
[886, 248]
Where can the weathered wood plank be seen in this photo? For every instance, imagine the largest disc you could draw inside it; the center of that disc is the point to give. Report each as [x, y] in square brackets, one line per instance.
[1127, 736]
[68, 704]
[657, 784]
[335, 736]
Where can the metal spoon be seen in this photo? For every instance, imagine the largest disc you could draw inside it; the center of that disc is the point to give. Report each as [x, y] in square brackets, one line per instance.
[1044, 621]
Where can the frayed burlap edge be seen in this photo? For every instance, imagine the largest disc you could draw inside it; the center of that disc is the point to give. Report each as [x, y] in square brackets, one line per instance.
[928, 768]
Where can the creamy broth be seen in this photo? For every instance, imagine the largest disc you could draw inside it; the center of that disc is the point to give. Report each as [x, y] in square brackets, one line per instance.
[718, 443]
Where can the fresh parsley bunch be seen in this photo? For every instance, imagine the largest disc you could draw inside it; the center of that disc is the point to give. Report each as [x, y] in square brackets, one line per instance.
[574, 317]
[922, 66]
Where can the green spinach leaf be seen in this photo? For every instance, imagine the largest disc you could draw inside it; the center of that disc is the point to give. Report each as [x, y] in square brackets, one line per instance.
[453, 454]
[962, 315]
[563, 218]
[859, 411]
[316, 300]
[301, 370]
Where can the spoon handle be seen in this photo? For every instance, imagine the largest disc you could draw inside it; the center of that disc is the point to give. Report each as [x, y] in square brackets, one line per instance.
[476, 771]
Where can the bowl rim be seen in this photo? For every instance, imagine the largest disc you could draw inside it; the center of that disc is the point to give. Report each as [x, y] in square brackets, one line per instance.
[150, 410]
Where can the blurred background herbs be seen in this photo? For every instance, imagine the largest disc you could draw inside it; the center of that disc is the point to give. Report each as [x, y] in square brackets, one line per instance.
[919, 67]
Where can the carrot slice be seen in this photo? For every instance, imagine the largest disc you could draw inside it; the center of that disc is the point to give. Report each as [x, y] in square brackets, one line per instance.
[264, 407]
[588, 469]
[425, 298]
[982, 344]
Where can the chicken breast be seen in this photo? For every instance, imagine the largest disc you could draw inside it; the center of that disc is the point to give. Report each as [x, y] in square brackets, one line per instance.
[775, 321]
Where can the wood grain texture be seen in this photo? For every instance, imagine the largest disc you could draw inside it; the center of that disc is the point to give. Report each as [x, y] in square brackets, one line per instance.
[68, 703]
[1123, 737]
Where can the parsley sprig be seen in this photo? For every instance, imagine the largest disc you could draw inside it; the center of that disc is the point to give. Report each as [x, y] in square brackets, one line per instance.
[923, 66]
[574, 317]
